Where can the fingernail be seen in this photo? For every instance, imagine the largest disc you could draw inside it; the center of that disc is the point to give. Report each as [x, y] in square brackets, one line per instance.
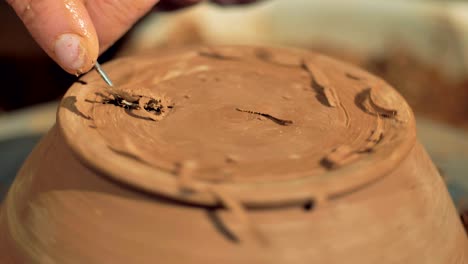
[70, 52]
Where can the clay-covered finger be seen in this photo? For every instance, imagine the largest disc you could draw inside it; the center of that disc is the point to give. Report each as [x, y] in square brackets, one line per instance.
[63, 29]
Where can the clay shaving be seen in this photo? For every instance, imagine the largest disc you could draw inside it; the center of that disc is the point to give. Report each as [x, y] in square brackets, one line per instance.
[380, 109]
[123, 99]
[151, 108]
[321, 80]
[321, 84]
[344, 154]
[282, 122]
[370, 105]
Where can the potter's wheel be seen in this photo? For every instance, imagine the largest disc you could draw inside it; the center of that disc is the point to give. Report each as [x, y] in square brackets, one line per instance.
[217, 132]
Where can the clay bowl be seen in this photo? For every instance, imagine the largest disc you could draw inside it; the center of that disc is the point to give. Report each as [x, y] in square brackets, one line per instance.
[231, 155]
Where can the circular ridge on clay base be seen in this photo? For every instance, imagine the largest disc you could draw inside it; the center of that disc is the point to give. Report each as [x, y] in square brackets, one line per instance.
[269, 126]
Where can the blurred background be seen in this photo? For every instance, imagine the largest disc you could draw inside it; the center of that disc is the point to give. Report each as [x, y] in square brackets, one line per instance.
[420, 47]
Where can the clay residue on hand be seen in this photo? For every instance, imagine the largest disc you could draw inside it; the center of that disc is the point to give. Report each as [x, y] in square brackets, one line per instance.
[321, 84]
[278, 121]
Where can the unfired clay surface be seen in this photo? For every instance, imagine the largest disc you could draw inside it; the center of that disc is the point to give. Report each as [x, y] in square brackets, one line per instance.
[231, 155]
[242, 119]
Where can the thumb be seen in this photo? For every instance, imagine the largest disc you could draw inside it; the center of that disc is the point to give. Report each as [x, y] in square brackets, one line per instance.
[63, 29]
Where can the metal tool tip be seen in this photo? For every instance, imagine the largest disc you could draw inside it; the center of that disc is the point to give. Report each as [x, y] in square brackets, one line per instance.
[103, 74]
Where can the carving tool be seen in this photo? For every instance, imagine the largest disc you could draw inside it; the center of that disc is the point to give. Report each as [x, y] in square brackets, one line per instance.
[103, 74]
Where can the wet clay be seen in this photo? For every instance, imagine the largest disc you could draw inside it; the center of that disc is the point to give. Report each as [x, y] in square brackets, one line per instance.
[282, 114]
[231, 155]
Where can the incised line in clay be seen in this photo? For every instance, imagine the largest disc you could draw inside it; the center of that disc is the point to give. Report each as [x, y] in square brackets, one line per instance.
[278, 121]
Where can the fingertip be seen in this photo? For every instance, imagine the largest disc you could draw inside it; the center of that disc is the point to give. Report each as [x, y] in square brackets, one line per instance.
[74, 54]
[63, 29]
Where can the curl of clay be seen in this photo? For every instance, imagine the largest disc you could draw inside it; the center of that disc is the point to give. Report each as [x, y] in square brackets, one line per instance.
[380, 107]
[376, 105]
[323, 82]
[155, 107]
[344, 154]
[151, 107]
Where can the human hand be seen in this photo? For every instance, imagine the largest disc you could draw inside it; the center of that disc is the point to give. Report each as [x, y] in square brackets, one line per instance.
[75, 32]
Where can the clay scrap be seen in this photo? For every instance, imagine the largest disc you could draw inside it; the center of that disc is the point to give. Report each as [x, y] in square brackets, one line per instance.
[371, 105]
[323, 83]
[344, 154]
[152, 108]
